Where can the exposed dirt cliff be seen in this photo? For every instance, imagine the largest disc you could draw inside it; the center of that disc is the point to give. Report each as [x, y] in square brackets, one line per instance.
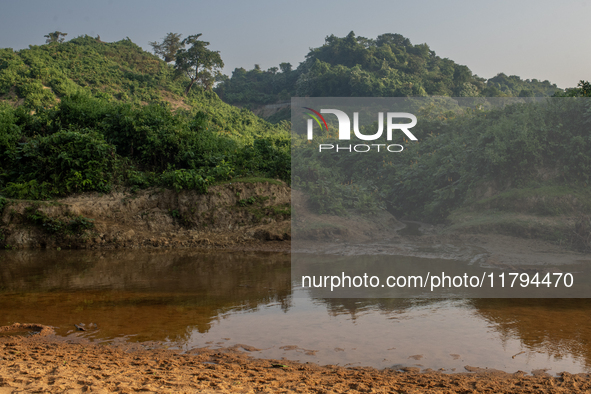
[230, 214]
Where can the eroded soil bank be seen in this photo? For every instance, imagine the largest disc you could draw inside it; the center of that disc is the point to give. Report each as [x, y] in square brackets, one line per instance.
[252, 215]
[45, 364]
[240, 213]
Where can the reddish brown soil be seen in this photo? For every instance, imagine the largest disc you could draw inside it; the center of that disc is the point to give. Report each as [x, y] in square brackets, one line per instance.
[42, 363]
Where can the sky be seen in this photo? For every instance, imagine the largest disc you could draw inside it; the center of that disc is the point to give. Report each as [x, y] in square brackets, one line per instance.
[542, 39]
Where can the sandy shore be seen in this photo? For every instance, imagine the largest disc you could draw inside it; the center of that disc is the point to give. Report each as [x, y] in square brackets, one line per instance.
[45, 363]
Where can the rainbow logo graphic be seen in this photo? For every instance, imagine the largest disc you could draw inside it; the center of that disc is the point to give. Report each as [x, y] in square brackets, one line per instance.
[316, 118]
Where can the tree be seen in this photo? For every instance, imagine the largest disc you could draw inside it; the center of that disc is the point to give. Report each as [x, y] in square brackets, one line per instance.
[197, 62]
[169, 46]
[585, 88]
[56, 36]
[285, 67]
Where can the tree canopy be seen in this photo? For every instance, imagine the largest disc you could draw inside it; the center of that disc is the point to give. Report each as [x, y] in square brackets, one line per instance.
[168, 47]
[56, 36]
[197, 62]
[583, 89]
[388, 66]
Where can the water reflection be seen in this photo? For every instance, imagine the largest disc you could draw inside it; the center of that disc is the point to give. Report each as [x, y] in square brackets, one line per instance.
[558, 326]
[358, 307]
[195, 299]
[153, 296]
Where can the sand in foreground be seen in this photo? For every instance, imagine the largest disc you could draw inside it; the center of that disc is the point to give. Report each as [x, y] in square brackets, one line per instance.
[47, 364]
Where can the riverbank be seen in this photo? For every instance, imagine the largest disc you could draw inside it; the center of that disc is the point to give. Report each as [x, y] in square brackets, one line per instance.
[241, 213]
[247, 214]
[50, 363]
[43, 363]
[257, 214]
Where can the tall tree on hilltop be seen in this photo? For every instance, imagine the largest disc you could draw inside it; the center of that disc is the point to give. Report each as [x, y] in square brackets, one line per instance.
[169, 46]
[56, 36]
[197, 62]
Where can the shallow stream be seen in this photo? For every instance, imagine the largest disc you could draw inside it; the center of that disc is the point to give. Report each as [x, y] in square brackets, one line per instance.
[190, 299]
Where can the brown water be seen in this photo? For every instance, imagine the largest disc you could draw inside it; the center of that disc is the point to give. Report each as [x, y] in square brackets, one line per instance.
[197, 299]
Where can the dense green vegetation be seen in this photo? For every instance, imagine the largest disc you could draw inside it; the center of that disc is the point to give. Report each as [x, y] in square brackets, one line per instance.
[353, 66]
[515, 147]
[85, 115]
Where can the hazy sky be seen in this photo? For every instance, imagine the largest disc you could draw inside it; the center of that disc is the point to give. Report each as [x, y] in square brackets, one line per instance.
[540, 39]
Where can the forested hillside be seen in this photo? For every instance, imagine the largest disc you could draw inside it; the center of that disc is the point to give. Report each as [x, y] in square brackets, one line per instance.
[519, 167]
[86, 115]
[354, 66]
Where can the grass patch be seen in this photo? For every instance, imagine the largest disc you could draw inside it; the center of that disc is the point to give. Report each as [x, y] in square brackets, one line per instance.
[73, 225]
[284, 210]
[278, 212]
[546, 200]
[321, 226]
[556, 229]
[3, 203]
[251, 180]
[257, 208]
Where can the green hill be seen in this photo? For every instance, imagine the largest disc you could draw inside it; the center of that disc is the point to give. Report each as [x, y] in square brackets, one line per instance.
[354, 66]
[86, 115]
[521, 167]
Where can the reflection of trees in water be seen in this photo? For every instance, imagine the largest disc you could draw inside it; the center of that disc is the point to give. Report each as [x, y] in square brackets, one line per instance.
[133, 270]
[358, 306]
[558, 327]
[152, 295]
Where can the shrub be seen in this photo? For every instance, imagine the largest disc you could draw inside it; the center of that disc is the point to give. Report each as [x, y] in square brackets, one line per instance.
[62, 163]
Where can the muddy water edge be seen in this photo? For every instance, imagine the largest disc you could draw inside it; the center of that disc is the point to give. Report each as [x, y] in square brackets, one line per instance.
[218, 299]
